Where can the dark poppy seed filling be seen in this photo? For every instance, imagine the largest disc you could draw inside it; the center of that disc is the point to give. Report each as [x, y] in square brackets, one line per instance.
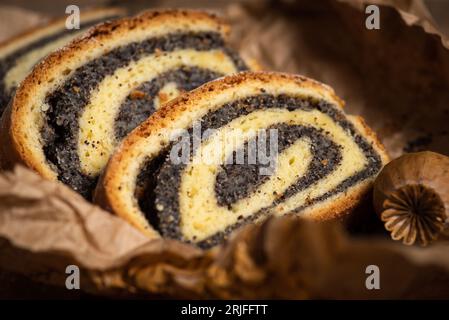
[160, 179]
[235, 182]
[137, 108]
[9, 61]
[61, 129]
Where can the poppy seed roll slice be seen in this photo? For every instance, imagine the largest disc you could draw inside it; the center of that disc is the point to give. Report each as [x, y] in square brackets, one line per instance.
[325, 160]
[76, 106]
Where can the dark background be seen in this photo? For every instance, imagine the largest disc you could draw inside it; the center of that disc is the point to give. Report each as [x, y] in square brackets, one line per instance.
[439, 9]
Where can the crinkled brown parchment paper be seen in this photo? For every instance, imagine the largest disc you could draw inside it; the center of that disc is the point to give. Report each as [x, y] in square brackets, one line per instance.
[396, 77]
[46, 226]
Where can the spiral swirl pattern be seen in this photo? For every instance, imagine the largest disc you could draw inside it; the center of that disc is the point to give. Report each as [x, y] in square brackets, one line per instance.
[82, 101]
[325, 159]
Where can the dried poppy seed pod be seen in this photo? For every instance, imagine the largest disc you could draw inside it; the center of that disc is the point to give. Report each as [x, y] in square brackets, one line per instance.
[411, 196]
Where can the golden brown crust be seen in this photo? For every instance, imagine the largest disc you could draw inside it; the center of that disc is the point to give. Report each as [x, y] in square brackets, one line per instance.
[14, 134]
[182, 102]
[9, 155]
[108, 192]
[338, 209]
[56, 24]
